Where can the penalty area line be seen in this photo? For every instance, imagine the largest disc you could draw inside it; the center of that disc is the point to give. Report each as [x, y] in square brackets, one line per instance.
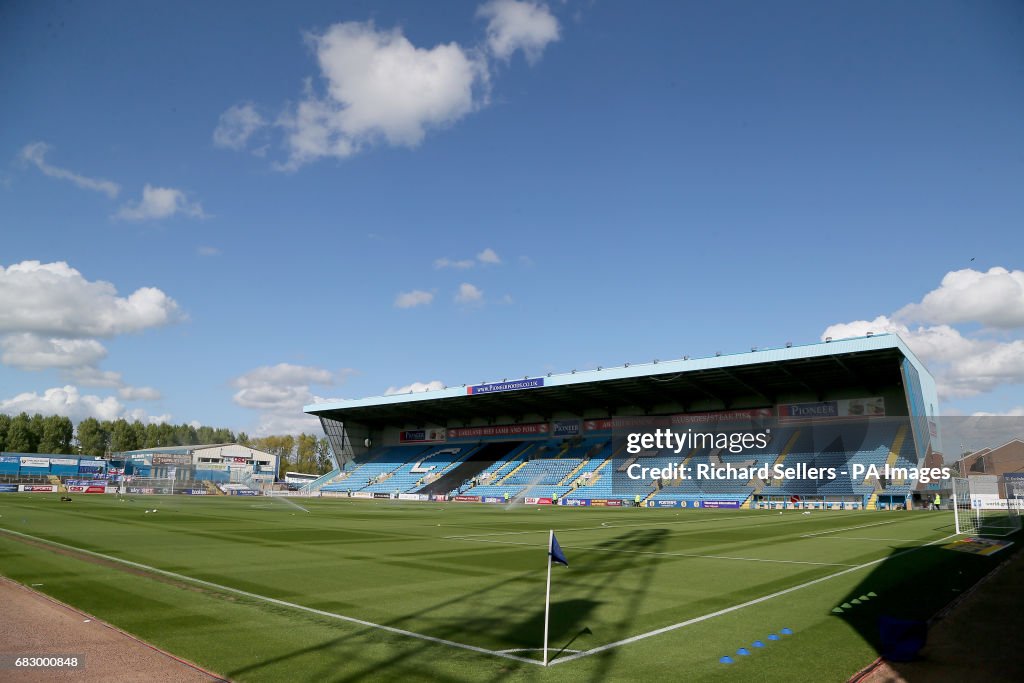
[734, 608]
[275, 601]
[849, 528]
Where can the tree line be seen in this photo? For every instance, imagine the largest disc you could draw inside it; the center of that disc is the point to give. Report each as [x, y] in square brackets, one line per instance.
[57, 435]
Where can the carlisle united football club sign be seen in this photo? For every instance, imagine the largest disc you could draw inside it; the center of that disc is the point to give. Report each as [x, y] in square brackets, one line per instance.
[514, 385]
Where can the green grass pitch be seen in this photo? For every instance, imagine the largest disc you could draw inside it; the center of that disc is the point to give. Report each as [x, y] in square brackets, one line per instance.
[258, 590]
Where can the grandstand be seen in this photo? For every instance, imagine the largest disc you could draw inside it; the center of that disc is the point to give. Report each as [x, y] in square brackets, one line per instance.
[554, 439]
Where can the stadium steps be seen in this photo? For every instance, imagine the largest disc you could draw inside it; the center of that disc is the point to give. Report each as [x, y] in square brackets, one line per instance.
[323, 480]
[655, 490]
[872, 501]
[598, 472]
[470, 467]
[55, 480]
[786, 449]
[897, 446]
[211, 488]
[519, 459]
[569, 477]
[521, 465]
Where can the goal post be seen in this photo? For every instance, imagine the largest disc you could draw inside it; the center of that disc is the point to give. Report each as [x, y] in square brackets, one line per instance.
[978, 510]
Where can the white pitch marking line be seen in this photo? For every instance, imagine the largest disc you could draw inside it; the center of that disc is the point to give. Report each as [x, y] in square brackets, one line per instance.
[740, 606]
[282, 603]
[612, 525]
[868, 538]
[849, 528]
[654, 552]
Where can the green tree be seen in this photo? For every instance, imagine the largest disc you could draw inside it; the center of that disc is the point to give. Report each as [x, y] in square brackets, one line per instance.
[5, 426]
[139, 434]
[305, 453]
[19, 436]
[122, 437]
[152, 439]
[92, 437]
[223, 435]
[185, 435]
[57, 435]
[243, 439]
[323, 456]
[36, 425]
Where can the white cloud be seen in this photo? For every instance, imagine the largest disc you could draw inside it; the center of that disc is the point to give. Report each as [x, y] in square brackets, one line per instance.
[379, 87]
[285, 374]
[445, 262]
[1012, 412]
[415, 387]
[993, 364]
[35, 154]
[416, 297]
[469, 294]
[236, 125]
[67, 401]
[994, 298]
[514, 25]
[90, 376]
[28, 351]
[964, 365]
[158, 203]
[55, 299]
[488, 255]
[139, 393]
[280, 392]
[94, 377]
[208, 251]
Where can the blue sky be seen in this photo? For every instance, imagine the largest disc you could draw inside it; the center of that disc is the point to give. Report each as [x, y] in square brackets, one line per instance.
[323, 200]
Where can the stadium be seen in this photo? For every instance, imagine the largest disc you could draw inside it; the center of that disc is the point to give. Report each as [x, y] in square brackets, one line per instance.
[551, 439]
[433, 549]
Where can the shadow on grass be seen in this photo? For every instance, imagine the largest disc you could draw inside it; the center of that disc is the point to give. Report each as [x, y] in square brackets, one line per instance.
[516, 616]
[897, 603]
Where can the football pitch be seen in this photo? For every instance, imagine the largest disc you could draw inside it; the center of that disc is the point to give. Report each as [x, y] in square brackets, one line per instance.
[343, 589]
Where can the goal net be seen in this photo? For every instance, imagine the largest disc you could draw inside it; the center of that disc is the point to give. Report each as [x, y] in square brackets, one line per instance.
[986, 506]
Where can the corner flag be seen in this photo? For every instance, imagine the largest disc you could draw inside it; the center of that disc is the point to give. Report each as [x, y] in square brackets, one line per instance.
[556, 551]
[555, 554]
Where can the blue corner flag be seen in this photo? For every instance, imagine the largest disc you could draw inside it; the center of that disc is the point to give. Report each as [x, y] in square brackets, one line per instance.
[556, 552]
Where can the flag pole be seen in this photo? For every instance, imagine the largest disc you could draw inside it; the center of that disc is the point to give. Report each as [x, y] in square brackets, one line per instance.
[547, 599]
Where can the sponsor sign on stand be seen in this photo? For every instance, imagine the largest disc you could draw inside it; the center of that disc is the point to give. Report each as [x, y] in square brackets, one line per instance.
[87, 489]
[37, 488]
[35, 462]
[422, 436]
[514, 385]
[575, 502]
[467, 499]
[565, 428]
[499, 430]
